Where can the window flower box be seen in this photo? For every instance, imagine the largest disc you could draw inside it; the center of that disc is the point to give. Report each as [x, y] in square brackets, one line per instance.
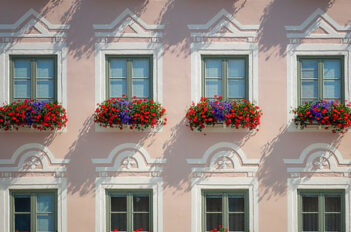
[324, 114]
[138, 114]
[39, 115]
[218, 113]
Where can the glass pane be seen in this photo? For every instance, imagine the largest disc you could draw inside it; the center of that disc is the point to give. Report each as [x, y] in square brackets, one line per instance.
[141, 203]
[118, 203]
[213, 203]
[310, 222]
[21, 68]
[118, 87]
[22, 203]
[213, 220]
[309, 69]
[236, 88]
[45, 222]
[310, 204]
[140, 68]
[118, 68]
[309, 89]
[213, 68]
[332, 222]
[22, 222]
[141, 88]
[45, 68]
[22, 89]
[236, 204]
[332, 204]
[236, 68]
[45, 89]
[236, 222]
[213, 87]
[331, 69]
[331, 89]
[141, 221]
[119, 221]
[45, 203]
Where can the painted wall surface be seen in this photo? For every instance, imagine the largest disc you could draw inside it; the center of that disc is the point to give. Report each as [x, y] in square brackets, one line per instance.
[266, 151]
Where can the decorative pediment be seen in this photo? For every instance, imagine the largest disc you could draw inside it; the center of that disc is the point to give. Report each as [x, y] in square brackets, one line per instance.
[32, 24]
[223, 25]
[318, 25]
[128, 25]
[129, 157]
[318, 158]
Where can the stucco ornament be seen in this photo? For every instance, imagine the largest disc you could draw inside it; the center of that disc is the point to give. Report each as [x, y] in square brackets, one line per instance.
[224, 162]
[321, 163]
[129, 163]
[33, 163]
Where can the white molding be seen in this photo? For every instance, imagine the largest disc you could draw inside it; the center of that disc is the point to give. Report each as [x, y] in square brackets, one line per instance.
[58, 49]
[37, 23]
[103, 184]
[228, 183]
[223, 48]
[33, 183]
[315, 183]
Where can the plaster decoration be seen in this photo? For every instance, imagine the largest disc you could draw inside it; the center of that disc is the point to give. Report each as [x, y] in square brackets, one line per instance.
[128, 25]
[33, 163]
[319, 25]
[33, 25]
[223, 24]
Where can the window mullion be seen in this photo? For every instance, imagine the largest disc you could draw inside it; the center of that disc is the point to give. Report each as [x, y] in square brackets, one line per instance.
[320, 79]
[224, 79]
[129, 78]
[33, 213]
[130, 212]
[225, 209]
[33, 79]
[321, 212]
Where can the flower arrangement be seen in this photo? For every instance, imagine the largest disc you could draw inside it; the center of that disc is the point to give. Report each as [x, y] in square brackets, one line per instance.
[137, 230]
[34, 114]
[137, 114]
[330, 114]
[236, 114]
[219, 229]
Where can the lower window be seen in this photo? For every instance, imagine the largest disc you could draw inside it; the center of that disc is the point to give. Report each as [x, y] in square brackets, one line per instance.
[227, 209]
[321, 210]
[129, 210]
[33, 210]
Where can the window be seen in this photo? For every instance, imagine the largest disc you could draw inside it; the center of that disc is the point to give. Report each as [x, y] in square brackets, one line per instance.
[225, 76]
[320, 78]
[129, 210]
[33, 77]
[226, 208]
[129, 76]
[321, 210]
[34, 211]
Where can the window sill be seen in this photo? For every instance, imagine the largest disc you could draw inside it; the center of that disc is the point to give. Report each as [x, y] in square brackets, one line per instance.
[32, 130]
[310, 128]
[99, 128]
[222, 128]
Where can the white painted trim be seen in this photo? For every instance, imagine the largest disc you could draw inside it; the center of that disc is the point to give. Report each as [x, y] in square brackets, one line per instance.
[199, 49]
[103, 184]
[33, 183]
[224, 183]
[58, 49]
[315, 183]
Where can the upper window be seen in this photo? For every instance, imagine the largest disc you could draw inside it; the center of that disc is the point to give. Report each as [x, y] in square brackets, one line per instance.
[129, 210]
[322, 211]
[34, 210]
[226, 208]
[320, 78]
[225, 76]
[33, 77]
[129, 76]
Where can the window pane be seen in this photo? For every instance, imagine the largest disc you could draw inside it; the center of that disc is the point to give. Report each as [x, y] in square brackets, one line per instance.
[310, 204]
[213, 68]
[236, 222]
[140, 68]
[45, 89]
[309, 69]
[22, 203]
[45, 68]
[331, 69]
[236, 204]
[119, 221]
[141, 88]
[332, 204]
[118, 68]
[45, 203]
[22, 89]
[213, 87]
[236, 68]
[213, 220]
[45, 222]
[332, 222]
[213, 203]
[21, 68]
[331, 89]
[309, 89]
[118, 203]
[141, 203]
[22, 222]
[236, 88]
[118, 88]
[141, 221]
[310, 222]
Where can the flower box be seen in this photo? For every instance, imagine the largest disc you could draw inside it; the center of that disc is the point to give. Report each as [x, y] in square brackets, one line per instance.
[218, 113]
[138, 114]
[39, 115]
